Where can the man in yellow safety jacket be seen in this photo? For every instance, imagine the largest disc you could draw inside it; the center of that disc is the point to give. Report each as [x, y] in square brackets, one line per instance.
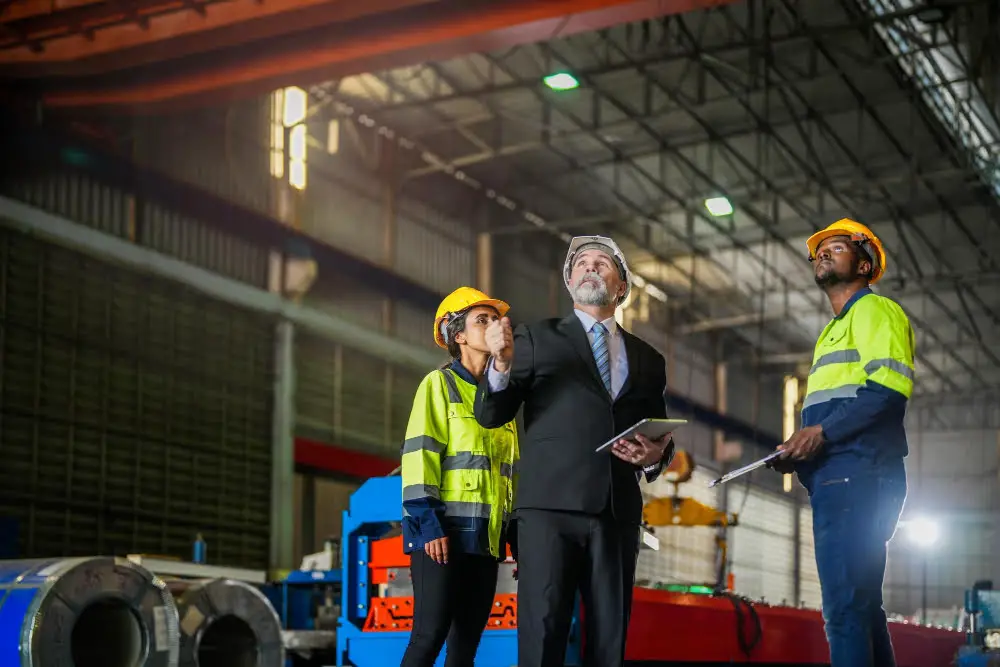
[459, 481]
[849, 452]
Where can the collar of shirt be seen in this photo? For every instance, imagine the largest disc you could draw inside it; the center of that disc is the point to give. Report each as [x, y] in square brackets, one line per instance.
[854, 298]
[462, 372]
[588, 322]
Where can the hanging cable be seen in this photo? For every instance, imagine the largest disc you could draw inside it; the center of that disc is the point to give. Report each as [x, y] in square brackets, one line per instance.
[745, 613]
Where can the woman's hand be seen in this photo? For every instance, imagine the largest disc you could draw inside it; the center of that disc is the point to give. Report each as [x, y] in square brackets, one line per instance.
[438, 550]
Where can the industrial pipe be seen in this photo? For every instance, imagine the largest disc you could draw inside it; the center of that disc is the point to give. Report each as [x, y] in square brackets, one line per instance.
[226, 623]
[78, 238]
[85, 612]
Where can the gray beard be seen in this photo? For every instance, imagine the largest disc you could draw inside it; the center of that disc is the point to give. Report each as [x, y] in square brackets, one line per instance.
[587, 294]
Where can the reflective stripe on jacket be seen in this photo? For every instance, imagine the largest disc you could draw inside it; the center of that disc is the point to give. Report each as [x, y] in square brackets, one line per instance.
[861, 378]
[459, 479]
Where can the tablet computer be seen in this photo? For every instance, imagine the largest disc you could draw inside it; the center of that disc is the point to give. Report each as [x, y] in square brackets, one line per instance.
[654, 429]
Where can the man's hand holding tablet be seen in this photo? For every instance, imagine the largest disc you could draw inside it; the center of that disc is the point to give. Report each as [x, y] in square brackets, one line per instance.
[644, 443]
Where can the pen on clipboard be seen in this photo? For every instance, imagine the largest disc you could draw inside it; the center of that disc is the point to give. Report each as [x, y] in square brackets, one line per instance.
[745, 469]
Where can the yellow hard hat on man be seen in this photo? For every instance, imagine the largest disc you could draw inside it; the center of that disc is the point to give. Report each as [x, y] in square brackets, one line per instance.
[458, 302]
[859, 234]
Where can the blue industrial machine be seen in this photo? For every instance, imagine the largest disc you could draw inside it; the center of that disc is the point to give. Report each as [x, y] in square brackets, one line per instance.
[375, 509]
[371, 628]
[982, 608]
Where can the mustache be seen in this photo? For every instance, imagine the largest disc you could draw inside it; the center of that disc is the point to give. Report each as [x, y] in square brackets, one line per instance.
[590, 275]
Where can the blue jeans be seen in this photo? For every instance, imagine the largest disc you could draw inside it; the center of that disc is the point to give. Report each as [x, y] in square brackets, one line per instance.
[854, 517]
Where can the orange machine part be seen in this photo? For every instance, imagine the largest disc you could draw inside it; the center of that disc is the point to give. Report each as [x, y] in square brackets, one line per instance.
[394, 614]
[388, 553]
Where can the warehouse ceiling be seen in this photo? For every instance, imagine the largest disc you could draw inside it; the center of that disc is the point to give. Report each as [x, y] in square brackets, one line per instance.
[799, 113]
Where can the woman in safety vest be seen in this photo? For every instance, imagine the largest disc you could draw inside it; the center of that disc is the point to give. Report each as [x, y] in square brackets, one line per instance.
[459, 481]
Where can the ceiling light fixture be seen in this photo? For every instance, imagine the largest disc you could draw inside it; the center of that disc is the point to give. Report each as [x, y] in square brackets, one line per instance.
[561, 81]
[719, 206]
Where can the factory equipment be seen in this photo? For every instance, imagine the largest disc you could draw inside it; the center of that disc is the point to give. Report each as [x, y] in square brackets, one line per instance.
[308, 600]
[373, 630]
[108, 612]
[982, 611]
[86, 612]
[706, 625]
[226, 623]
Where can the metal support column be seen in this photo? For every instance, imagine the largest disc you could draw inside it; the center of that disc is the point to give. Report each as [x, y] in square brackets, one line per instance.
[283, 449]
[720, 455]
[307, 515]
[484, 262]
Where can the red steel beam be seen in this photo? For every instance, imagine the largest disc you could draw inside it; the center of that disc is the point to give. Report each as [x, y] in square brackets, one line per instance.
[21, 9]
[88, 37]
[341, 460]
[408, 36]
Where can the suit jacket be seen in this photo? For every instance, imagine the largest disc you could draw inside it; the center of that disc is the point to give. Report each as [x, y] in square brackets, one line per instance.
[568, 414]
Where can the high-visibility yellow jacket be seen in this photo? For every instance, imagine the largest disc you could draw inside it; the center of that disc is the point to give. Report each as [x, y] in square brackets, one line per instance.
[861, 379]
[459, 479]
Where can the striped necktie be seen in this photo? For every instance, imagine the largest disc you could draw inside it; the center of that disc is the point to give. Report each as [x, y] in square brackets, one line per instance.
[602, 355]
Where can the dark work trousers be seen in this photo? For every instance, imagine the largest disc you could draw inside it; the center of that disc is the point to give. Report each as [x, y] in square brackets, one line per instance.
[450, 602]
[558, 554]
[854, 517]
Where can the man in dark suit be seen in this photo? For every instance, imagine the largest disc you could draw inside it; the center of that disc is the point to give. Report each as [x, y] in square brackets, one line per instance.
[581, 380]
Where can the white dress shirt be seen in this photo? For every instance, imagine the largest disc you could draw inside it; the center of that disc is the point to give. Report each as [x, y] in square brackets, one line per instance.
[498, 381]
[616, 355]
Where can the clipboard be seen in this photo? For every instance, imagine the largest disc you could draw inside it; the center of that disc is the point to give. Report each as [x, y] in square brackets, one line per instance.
[654, 429]
[739, 472]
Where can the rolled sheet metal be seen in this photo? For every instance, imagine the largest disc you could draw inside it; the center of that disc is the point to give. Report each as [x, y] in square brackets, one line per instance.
[85, 612]
[226, 623]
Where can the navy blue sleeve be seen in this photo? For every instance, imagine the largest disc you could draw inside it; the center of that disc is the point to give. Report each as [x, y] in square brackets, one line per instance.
[425, 519]
[873, 402]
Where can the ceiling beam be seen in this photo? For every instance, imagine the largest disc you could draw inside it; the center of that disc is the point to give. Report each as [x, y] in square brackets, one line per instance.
[331, 49]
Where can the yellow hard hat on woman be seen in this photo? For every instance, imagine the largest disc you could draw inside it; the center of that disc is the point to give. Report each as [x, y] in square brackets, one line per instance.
[859, 234]
[458, 302]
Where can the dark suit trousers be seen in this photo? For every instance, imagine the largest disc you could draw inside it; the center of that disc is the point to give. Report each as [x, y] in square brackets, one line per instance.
[558, 554]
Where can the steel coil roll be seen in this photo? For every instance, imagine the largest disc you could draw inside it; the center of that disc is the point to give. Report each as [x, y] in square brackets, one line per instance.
[226, 623]
[85, 612]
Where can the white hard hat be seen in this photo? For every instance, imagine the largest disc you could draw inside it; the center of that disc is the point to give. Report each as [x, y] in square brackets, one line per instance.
[606, 244]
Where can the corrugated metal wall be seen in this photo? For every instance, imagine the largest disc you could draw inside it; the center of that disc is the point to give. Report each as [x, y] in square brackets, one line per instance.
[134, 413]
[763, 545]
[953, 479]
[113, 211]
[342, 396]
[686, 554]
[220, 149]
[809, 590]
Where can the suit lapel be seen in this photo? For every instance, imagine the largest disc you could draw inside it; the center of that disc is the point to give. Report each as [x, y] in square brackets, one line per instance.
[632, 354]
[572, 328]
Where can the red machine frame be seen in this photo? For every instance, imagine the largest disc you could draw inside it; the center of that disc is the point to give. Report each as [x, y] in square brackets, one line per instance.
[670, 627]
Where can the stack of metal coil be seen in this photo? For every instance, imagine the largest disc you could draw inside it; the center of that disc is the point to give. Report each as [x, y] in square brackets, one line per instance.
[112, 612]
[226, 623]
[85, 612]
